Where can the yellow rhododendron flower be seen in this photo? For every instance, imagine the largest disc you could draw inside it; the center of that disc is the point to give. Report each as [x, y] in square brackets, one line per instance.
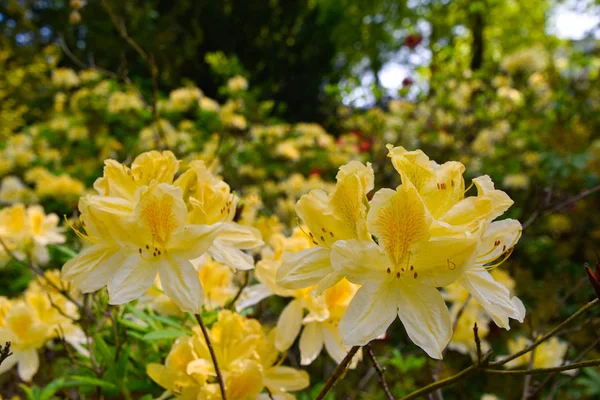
[400, 274]
[142, 224]
[442, 189]
[28, 231]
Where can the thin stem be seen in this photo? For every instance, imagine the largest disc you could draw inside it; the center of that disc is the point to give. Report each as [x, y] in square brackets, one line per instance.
[245, 282]
[212, 355]
[339, 370]
[380, 372]
[546, 336]
[537, 392]
[527, 380]
[38, 271]
[534, 371]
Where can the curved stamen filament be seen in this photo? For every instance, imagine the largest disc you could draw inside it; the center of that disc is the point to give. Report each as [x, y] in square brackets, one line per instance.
[504, 250]
[80, 234]
[506, 256]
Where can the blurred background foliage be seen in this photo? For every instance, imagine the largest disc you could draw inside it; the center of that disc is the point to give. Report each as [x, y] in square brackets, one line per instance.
[279, 94]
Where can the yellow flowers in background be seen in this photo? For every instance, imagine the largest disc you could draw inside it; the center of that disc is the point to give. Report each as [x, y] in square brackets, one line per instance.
[31, 322]
[27, 231]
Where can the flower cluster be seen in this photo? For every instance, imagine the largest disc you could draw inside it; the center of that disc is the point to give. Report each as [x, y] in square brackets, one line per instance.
[428, 235]
[27, 231]
[144, 221]
[33, 320]
[247, 358]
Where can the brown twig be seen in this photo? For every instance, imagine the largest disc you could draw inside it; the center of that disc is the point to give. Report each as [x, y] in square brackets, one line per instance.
[477, 343]
[568, 367]
[380, 372]
[527, 380]
[212, 355]
[446, 382]
[337, 373]
[561, 205]
[5, 352]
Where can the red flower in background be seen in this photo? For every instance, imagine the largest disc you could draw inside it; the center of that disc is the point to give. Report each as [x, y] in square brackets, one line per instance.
[412, 40]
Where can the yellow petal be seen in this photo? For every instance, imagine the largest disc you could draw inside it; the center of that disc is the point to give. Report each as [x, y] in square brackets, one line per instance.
[304, 268]
[398, 219]
[414, 167]
[360, 261]
[439, 262]
[181, 283]
[286, 379]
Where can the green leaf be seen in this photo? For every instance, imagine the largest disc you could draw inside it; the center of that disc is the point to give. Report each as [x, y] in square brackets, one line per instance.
[89, 381]
[164, 334]
[29, 395]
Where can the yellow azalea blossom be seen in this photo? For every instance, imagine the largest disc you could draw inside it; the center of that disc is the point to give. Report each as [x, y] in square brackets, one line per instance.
[173, 375]
[28, 231]
[53, 309]
[150, 238]
[27, 335]
[400, 274]
[442, 190]
[329, 218]
[142, 223]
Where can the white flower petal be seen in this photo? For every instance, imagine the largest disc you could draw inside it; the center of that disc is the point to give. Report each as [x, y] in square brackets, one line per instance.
[132, 280]
[231, 256]
[370, 313]
[311, 342]
[29, 363]
[181, 283]
[492, 296]
[288, 325]
[360, 260]
[425, 317]
[252, 295]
